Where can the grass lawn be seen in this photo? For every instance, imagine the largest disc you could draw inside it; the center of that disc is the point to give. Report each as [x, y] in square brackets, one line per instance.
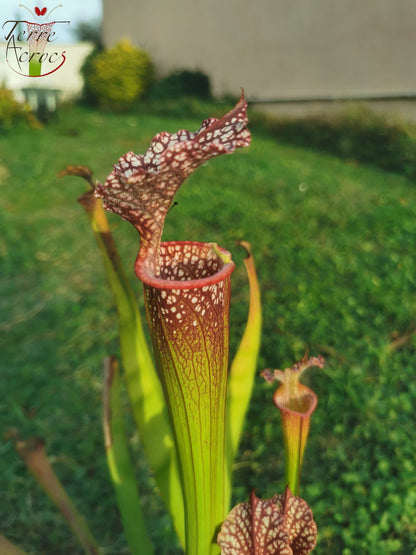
[334, 244]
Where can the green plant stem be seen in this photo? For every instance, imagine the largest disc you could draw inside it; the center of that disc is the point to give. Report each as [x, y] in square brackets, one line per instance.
[143, 385]
[119, 463]
[33, 453]
[8, 548]
[243, 368]
[295, 431]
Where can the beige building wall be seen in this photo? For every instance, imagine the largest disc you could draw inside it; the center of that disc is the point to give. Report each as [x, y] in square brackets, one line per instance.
[277, 49]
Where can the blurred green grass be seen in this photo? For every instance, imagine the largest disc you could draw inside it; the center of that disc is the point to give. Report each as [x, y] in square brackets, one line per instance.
[334, 247]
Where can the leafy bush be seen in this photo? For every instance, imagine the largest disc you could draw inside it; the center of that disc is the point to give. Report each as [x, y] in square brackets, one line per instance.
[88, 91]
[117, 77]
[358, 134]
[182, 83]
[13, 112]
[89, 31]
[185, 107]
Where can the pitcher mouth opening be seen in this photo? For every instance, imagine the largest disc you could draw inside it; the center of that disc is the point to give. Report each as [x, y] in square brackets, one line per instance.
[187, 265]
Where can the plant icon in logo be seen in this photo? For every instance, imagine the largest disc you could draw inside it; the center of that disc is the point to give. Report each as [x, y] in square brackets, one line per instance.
[39, 32]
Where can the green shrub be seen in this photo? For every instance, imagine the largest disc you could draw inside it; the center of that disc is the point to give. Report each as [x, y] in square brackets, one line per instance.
[358, 134]
[117, 77]
[182, 83]
[13, 112]
[88, 91]
[89, 31]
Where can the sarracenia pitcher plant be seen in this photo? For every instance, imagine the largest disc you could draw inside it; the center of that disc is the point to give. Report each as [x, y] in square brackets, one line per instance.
[296, 403]
[192, 431]
[190, 408]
